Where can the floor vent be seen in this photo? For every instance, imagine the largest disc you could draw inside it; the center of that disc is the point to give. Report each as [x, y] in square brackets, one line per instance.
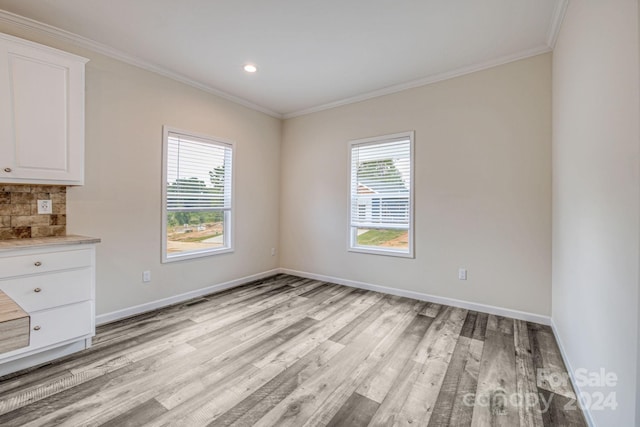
[195, 301]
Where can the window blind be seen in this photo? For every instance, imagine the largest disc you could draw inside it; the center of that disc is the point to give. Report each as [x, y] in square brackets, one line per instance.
[381, 185]
[198, 174]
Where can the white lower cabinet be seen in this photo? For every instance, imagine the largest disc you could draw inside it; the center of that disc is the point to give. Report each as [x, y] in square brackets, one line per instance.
[56, 287]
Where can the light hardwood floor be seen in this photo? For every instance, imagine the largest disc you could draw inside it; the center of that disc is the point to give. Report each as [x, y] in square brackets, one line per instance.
[287, 351]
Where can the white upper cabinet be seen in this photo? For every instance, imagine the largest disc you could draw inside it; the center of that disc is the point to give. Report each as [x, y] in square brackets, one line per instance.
[41, 114]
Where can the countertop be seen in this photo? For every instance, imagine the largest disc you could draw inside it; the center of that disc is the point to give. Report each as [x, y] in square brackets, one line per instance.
[42, 242]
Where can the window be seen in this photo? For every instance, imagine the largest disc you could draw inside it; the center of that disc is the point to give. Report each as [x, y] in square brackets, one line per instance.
[197, 196]
[381, 195]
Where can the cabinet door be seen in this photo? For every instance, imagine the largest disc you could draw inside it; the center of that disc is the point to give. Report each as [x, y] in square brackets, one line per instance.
[45, 100]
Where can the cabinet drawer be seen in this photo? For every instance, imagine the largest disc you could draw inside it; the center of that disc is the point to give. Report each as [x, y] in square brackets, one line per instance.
[60, 324]
[44, 291]
[41, 263]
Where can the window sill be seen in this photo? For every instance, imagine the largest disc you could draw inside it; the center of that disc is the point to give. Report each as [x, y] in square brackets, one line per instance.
[385, 252]
[192, 255]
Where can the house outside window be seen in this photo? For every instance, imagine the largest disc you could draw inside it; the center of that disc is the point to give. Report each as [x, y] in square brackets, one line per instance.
[197, 195]
[381, 195]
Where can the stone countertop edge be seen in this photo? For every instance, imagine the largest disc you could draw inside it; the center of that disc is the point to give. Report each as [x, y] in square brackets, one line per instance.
[41, 242]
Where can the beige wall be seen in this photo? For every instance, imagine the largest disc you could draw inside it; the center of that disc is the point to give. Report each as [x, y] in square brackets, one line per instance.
[482, 187]
[595, 195]
[126, 108]
[482, 184]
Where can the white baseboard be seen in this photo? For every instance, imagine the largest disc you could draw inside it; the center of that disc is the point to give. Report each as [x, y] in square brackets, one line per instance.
[567, 363]
[153, 305]
[515, 314]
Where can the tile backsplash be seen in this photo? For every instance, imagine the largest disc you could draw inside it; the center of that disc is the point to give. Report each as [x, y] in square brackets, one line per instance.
[19, 218]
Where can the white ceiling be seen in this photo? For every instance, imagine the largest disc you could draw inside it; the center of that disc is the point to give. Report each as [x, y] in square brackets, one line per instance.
[310, 54]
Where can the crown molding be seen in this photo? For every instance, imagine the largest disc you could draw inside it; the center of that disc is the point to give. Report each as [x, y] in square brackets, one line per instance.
[83, 42]
[423, 81]
[556, 22]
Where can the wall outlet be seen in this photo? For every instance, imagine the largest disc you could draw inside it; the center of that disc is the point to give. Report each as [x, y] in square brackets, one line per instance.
[146, 276]
[44, 206]
[462, 274]
[273, 251]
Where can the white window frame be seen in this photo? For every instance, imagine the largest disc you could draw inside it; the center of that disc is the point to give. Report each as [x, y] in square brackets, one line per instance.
[352, 231]
[229, 230]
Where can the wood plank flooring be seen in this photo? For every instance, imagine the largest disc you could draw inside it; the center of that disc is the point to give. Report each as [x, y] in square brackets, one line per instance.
[287, 351]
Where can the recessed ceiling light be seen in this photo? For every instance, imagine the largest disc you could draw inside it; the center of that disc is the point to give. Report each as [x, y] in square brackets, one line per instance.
[250, 68]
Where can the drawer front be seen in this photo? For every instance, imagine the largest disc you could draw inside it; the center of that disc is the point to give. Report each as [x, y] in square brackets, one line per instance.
[60, 324]
[41, 263]
[45, 291]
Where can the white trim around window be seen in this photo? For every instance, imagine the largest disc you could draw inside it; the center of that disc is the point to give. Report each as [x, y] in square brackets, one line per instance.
[197, 195]
[381, 195]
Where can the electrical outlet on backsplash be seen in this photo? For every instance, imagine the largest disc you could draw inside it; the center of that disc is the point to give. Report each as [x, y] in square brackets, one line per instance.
[19, 218]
